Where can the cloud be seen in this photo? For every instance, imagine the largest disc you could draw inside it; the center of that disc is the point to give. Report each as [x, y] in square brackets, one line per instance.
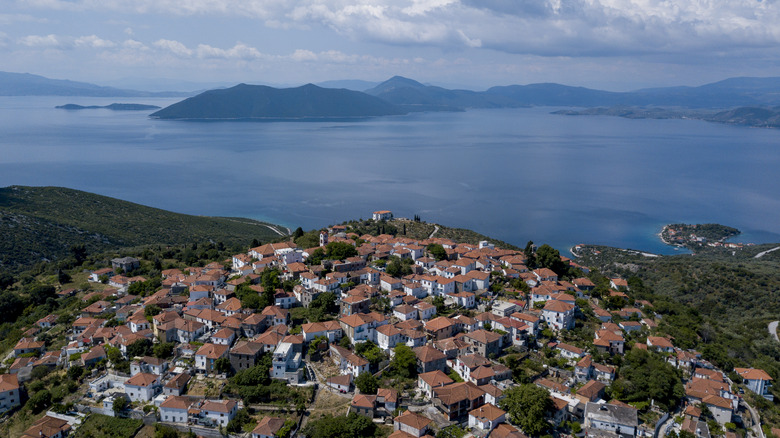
[94, 41]
[42, 41]
[239, 51]
[551, 28]
[174, 47]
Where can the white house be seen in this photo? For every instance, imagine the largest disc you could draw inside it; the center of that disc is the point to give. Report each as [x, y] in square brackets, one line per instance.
[611, 418]
[757, 380]
[559, 315]
[486, 417]
[174, 409]
[143, 387]
[219, 411]
[382, 215]
[9, 392]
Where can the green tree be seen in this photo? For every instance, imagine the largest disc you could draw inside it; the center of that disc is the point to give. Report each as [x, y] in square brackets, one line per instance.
[75, 372]
[6, 281]
[549, 257]
[647, 376]
[236, 425]
[119, 405]
[349, 426]
[370, 351]
[40, 293]
[437, 251]
[527, 406]
[161, 431]
[404, 363]
[140, 348]
[39, 401]
[222, 365]
[152, 310]
[367, 383]
[163, 350]
[453, 431]
[340, 250]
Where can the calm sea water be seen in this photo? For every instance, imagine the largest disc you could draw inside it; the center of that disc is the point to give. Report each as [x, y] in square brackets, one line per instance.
[514, 174]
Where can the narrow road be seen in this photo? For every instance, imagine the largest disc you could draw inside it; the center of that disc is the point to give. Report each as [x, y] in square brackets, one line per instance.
[773, 330]
[763, 253]
[436, 228]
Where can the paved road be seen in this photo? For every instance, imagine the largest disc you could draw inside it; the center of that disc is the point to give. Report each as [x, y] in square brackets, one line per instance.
[773, 330]
[763, 253]
[436, 228]
[756, 428]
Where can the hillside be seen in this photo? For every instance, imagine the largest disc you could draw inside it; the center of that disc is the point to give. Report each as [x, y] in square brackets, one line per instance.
[759, 117]
[261, 102]
[42, 223]
[26, 84]
[729, 93]
[113, 107]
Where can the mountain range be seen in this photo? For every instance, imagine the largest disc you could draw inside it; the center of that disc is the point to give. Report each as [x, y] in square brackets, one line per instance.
[399, 95]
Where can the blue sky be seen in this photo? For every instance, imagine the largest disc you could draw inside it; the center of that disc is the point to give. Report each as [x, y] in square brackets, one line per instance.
[608, 44]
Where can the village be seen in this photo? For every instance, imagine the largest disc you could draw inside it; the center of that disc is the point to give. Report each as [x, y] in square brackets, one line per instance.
[423, 337]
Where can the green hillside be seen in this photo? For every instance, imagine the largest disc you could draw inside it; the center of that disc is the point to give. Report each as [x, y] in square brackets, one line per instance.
[260, 102]
[42, 223]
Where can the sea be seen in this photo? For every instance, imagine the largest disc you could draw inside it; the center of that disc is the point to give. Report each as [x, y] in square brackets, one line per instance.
[513, 174]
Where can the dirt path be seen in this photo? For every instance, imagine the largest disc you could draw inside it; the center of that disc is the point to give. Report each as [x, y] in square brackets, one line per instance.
[763, 253]
[773, 330]
[435, 229]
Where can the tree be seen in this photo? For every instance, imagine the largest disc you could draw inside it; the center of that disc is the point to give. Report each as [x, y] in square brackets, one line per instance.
[529, 254]
[367, 383]
[437, 251]
[549, 257]
[40, 293]
[270, 281]
[63, 277]
[141, 347]
[119, 405]
[340, 250]
[370, 351]
[222, 365]
[404, 363]
[163, 350]
[79, 253]
[75, 372]
[645, 376]
[152, 310]
[39, 372]
[161, 431]
[39, 401]
[527, 406]
[298, 233]
[349, 426]
[453, 431]
[6, 281]
[241, 418]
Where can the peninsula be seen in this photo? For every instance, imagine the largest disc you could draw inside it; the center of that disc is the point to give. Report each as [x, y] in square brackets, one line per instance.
[113, 107]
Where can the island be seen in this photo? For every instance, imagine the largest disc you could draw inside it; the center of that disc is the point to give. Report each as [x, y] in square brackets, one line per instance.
[757, 117]
[253, 102]
[113, 107]
[699, 236]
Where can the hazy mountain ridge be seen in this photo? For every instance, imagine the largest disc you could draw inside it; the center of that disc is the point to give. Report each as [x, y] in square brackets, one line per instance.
[26, 84]
[261, 102]
[762, 117]
[113, 106]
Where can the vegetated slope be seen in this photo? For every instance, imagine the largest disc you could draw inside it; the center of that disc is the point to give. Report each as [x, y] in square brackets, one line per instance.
[42, 223]
[25, 84]
[414, 96]
[733, 298]
[261, 102]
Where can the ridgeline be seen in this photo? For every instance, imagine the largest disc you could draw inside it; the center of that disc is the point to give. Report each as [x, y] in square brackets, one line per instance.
[42, 223]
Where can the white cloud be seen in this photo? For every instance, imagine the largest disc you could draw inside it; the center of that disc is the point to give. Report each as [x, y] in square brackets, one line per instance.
[42, 41]
[239, 51]
[174, 47]
[94, 41]
[135, 45]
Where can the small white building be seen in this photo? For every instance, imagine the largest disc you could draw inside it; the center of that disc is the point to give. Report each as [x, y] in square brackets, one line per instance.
[143, 387]
[382, 215]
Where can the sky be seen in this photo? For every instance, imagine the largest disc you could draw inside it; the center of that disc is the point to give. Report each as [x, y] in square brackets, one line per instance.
[608, 44]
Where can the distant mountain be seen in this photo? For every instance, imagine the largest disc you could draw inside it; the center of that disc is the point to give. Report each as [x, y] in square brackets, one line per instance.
[759, 117]
[113, 106]
[260, 102]
[25, 84]
[729, 93]
[414, 96]
[349, 84]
